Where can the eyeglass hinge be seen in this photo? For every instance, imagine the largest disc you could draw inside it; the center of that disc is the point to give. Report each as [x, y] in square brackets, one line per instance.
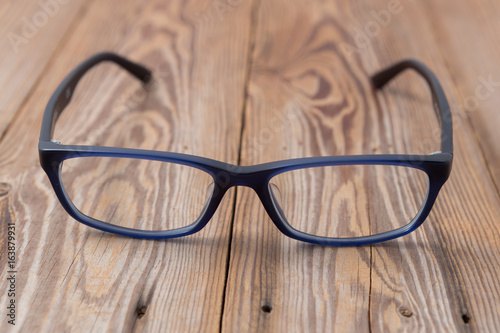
[56, 142]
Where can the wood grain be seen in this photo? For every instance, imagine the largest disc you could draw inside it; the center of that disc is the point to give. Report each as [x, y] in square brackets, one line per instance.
[460, 233]
[350, 200]
[251, 82]
[138, 194]
[74, 278]
[304, 100]
[31, 32]
[428, 280]
[471, 32]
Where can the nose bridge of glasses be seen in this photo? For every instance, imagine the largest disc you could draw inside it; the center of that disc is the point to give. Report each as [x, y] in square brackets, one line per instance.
[242, 176]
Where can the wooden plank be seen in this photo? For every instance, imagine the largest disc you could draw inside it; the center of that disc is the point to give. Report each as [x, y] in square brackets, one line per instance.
[73, 278]
[444, 277]
[304, 100]
[474, 66]
[31, 31]
[309, 95]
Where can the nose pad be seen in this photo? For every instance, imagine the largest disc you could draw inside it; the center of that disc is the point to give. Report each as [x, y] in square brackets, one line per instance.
[210, 191]
[277, 198]
[276, 193]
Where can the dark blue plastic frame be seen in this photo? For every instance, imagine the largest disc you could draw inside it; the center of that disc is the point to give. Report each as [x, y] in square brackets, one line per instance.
[52, 153]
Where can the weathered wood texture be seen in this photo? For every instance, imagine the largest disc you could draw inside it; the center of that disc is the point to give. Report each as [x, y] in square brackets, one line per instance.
[311, 68]
[31, 32]
[96, 281]
[250, 82]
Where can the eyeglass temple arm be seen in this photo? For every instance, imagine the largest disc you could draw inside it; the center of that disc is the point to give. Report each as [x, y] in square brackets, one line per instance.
[62, 96]
[438, 97]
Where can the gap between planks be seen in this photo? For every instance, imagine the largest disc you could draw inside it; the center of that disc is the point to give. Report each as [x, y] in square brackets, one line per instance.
[248, 73]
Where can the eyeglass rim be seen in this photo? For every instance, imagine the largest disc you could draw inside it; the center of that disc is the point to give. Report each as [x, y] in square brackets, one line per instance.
[52, 153]
[257, 177]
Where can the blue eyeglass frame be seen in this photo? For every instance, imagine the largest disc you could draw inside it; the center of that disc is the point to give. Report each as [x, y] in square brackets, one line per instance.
[52, 153]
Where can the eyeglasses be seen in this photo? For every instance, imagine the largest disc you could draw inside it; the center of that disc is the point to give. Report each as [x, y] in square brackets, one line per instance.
[330, 200]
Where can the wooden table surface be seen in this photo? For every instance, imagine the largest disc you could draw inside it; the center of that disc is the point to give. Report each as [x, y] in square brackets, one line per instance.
[229, 74]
